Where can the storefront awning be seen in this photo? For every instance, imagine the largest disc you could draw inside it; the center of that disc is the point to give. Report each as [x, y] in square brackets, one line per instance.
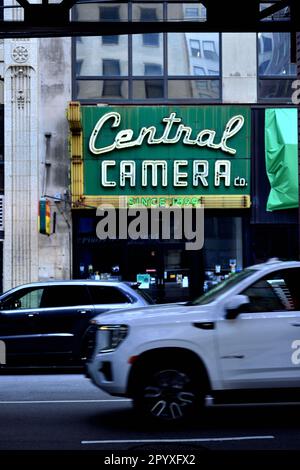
[281, 152]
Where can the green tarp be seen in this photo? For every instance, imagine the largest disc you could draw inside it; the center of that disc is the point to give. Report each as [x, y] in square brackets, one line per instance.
[281, 151]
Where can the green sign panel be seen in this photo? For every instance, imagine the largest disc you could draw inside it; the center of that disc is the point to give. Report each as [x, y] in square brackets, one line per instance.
[166, 151]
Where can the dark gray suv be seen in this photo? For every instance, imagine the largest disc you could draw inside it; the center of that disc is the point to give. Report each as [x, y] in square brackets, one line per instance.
[47, 323]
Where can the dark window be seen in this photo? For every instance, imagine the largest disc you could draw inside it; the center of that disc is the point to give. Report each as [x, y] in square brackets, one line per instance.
[111, 67]
[151, 39]
[29, 298]
[65, 296]
[148, 14]
[154, 88]
[110, 39]
[153, 69]
[275, 292]
[108, 295]
[112, 88]
[209, 50]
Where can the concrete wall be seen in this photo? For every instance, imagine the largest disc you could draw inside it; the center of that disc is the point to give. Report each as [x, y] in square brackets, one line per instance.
[239, 64]
[55, 93]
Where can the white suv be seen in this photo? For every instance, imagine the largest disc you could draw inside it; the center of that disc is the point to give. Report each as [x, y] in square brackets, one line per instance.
[242, 336]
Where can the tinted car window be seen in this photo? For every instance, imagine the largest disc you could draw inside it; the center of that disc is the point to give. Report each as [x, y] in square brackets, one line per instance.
[23, 299]
[108, 295]
[275, 292]
[65, 296]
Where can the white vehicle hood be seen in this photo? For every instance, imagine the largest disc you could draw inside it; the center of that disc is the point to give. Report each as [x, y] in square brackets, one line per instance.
[158, 313]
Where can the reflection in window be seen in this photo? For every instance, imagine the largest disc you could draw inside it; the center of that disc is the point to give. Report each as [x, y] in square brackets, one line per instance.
[200, 89]
[272, 293]
[97, 89]
[142, 55]
[195, 50]
[91, 52]
[274, 54]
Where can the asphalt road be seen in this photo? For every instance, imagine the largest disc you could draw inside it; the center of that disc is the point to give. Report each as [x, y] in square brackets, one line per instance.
[66, 412]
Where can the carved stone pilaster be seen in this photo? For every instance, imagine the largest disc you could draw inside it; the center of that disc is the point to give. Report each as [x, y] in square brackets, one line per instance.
[21, 162]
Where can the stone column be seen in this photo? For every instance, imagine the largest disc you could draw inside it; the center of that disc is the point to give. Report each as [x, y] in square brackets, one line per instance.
[21, 162]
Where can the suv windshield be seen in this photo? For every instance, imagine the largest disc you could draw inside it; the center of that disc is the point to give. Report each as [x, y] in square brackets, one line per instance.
[221, 288]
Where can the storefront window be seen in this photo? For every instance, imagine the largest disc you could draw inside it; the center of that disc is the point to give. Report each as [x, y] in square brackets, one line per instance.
[223, 248]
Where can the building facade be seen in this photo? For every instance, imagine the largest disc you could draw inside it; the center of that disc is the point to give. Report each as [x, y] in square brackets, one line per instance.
[204, 79]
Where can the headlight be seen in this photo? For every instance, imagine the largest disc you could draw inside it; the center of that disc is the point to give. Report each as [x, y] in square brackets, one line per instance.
[111, 336]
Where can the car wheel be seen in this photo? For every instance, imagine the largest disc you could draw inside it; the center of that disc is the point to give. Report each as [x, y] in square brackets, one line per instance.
[168, 393]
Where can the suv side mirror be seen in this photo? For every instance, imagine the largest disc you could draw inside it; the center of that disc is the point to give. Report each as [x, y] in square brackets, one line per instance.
[233, 306]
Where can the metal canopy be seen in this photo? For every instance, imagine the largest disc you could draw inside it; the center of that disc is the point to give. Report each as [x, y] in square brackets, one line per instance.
[46, 19]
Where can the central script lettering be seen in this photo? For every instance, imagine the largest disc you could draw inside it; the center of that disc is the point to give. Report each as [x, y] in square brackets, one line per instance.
[125, 138]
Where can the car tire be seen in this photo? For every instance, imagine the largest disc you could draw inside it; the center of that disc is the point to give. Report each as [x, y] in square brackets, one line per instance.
[169, 392]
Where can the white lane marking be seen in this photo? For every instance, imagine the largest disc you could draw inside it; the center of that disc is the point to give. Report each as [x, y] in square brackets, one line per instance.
[32, 402]
[200, 439]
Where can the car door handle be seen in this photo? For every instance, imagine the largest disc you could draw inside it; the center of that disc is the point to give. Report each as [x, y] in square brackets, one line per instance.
[83, 311]
[31, 315]
[295, 324]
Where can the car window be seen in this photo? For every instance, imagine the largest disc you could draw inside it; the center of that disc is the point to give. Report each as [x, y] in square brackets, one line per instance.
[222, 288]
[275, 292]
[29, 298]
[108, 295]
[65, 296]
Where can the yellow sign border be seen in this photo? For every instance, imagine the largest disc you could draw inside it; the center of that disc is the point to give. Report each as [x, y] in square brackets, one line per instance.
[81, 201]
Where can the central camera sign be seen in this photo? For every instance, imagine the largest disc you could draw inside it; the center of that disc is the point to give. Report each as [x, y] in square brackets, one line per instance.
[165, 155]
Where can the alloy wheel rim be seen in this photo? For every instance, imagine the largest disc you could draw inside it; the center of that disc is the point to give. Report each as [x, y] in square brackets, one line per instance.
[170, 395]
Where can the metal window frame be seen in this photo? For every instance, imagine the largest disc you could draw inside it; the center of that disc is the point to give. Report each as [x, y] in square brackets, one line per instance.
[130, 78]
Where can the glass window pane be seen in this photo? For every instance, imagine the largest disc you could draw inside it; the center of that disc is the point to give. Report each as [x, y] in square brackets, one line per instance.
[147, 12]
[200, 89]
[24, 298]
[274, 54]
[65, 296]
[186, 12]
[193, 50]
[276, 89]
[93, 56]
[148, 89]
[97, 89]
[147, 54]
[108, 295]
